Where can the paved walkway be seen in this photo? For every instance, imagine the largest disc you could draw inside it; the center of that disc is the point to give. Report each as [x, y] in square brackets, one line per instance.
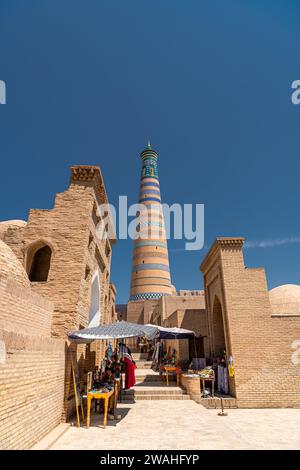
[179, 425]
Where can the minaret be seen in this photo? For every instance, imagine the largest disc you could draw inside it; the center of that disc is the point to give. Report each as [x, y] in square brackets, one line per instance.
[150, 276]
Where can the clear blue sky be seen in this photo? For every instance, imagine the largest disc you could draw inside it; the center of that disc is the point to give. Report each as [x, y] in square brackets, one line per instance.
[208, 81]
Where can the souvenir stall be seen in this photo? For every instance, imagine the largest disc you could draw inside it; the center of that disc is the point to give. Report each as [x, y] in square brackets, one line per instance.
[164, 360]
[212, 375]
[105, 384]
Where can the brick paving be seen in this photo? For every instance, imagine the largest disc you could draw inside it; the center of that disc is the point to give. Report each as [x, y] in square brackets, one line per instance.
[179, 425]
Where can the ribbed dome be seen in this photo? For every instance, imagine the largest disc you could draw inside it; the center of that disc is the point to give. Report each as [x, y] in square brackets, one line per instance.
[10, 266]
[6, 224]
[285, 299]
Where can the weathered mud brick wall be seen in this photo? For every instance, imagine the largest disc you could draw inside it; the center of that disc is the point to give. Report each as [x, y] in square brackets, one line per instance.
[54, 277]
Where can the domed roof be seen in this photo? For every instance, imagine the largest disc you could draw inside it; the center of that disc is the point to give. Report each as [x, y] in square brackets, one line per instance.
[10, 266]
[6, 224]
[285, 299]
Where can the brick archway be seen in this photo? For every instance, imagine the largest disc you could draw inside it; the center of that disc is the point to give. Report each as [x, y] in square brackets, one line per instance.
[218, 333]
[225, 255]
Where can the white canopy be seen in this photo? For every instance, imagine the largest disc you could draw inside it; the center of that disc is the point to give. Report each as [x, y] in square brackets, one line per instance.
[118, 330]
[123, 329]
[173, 333]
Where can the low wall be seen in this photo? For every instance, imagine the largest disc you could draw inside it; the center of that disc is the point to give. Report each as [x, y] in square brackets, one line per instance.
[32, 372]
[192, 386]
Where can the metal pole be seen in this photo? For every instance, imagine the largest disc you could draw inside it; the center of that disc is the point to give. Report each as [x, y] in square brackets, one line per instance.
[222, 413]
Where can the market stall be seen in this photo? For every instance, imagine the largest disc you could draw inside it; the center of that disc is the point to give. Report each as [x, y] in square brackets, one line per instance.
[168, 364]
[105, 386]
[104, 389]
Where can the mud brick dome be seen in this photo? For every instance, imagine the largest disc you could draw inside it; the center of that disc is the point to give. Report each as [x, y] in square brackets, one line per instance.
[285, 299]
[11, 267]
[150, 276]
[10, 224]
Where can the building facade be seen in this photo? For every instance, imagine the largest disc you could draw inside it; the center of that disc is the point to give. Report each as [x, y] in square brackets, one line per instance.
[61, 269]
[259, 329]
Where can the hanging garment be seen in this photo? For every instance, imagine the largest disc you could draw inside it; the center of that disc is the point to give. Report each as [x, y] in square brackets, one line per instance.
[109, 351]
[122, 349]
[129, 372]
[223, 383]
[155, 353]
[158, 354]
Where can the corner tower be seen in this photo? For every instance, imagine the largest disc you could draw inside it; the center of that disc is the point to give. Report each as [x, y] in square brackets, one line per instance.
[150, 275]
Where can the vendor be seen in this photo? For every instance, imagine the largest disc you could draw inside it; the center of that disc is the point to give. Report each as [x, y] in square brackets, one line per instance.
[150, 351]
[116, 366]
[108, 376]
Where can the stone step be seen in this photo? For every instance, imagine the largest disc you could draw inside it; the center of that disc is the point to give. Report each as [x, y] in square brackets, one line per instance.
[146, 379]
[137, 356]
[133, 398]
[139, 393]
[153, 389]
[146, 375]
[143, 364]
[135, 350]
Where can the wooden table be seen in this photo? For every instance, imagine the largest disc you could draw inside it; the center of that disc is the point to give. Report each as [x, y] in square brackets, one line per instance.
[171, 369]
[209, 379]
[98, 396]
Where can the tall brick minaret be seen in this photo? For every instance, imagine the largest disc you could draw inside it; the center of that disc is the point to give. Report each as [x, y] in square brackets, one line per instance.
[150, 276]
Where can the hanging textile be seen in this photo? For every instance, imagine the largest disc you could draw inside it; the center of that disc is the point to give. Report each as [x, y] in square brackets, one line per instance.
[129, 371]
[223, 383]
[109, 351]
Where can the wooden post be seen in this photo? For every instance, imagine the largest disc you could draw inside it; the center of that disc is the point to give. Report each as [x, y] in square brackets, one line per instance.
[106, 400]
[75, 391]
[88, 412]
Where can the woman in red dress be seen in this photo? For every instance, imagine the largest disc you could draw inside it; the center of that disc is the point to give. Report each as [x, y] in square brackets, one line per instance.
[129, 371]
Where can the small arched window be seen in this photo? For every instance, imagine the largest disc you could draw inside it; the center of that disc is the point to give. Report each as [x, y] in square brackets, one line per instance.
[40, 265]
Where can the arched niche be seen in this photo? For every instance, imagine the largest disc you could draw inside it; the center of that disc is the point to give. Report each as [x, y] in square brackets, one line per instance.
[219, 343]
[38, 261]
[94, 311]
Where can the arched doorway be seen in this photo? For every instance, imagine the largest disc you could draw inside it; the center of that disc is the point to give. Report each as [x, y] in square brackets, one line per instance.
[94, 312]
[219, 344]
[40, 264]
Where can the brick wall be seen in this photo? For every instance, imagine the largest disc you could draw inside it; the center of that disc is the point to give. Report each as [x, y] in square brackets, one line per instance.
[22, 310]
[261, 344]
[171, 303]
[135, 312]
[31, 363]
[32, 389]
[77, 255]
[190, 319]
